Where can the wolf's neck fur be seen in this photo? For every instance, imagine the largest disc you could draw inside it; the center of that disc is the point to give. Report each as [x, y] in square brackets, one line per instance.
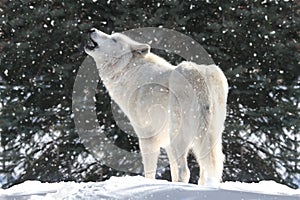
[111, 71]
[114, 71]
[152, 58]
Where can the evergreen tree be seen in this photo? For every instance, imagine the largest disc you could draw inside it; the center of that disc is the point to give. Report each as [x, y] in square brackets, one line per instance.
[254, 42]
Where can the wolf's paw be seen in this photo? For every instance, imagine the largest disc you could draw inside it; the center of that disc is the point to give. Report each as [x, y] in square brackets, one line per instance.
[212, 183]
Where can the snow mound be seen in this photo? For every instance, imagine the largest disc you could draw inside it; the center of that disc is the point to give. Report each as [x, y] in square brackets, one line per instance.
[138, 188]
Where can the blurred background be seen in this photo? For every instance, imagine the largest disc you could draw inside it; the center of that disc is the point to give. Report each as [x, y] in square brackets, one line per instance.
[255, 43]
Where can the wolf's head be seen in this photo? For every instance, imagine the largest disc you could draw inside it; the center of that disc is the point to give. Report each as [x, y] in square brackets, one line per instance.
[110, 48]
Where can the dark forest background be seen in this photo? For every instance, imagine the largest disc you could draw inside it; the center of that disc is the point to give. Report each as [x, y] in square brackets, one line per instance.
[256, 43]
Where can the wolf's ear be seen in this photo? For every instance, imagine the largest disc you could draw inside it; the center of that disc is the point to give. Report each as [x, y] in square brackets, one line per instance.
[140, 49]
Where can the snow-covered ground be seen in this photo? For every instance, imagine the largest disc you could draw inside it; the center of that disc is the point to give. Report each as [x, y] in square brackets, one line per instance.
[140, 188]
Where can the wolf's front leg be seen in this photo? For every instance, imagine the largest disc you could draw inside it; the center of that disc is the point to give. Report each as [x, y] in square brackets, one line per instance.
[150, 152]
[150, 164]
[173, 164]
[183, 170]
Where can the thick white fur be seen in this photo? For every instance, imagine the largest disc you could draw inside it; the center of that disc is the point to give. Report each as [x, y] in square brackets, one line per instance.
[180, 108]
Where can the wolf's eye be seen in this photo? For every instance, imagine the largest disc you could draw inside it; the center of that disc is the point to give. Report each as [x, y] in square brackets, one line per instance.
[114, 40]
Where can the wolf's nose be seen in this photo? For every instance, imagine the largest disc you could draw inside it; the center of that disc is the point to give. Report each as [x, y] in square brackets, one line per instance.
[91, 30]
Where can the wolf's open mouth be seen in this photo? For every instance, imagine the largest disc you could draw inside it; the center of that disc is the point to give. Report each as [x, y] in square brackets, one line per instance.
[91, 44]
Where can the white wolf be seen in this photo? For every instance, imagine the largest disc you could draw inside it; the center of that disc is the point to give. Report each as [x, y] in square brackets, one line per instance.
[179, 108]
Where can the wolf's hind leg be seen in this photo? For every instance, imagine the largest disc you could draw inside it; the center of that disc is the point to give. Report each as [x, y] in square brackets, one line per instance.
[211, 166]
[179, 165]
